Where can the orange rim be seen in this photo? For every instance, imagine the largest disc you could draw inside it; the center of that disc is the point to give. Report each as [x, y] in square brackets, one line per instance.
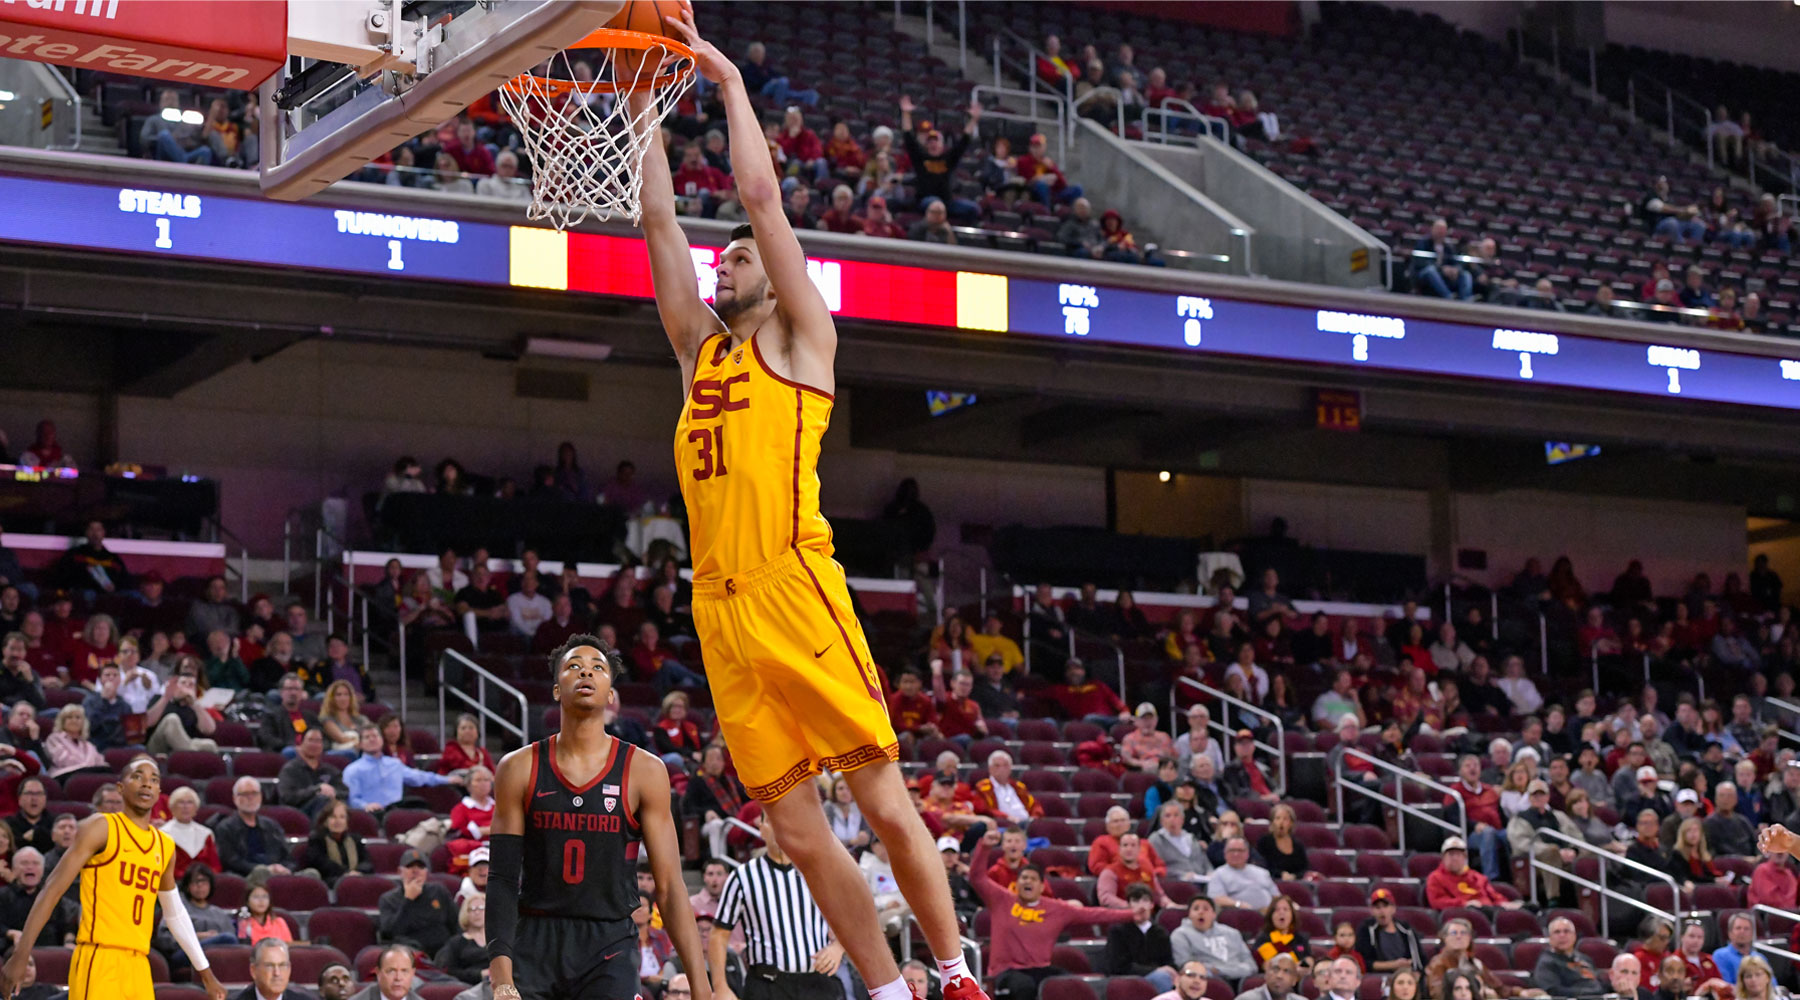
[610, 38]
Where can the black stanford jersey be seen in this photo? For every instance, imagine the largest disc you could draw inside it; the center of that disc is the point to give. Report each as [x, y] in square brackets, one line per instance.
[581, 843]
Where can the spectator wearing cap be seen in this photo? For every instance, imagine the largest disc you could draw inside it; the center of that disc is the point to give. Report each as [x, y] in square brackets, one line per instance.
[1524, 834]
[1667, 303]
[417, 912]
[878, 221]
[1385, 944]
[1026, 926]
[1238, 884]
[934, 163]
[762, 78]
[475, 880]
[1245, 777]
[1085, 699]
[1453, 883]
[1041, 174]
[991, 640]
[1145, 745]
[1648, 795]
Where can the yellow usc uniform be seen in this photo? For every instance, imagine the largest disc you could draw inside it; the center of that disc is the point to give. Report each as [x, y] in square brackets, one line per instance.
[792, 679]
[118, 913]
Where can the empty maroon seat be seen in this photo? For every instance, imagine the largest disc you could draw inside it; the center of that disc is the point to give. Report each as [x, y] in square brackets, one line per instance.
[218, 791]
[363, 891]
[385, 857]
[231, 963]
[1129, 988]
[228, 890]
[1717, 897]
[440, 798]
[1055, 831]
[440, 991]
[1516, 924]
[927, 751]
[293, 822]
[81, 787]
[1308, 811]
[1299, 892]
[1381, 866]
[1042, 780]
[1080, 732]
[1316, 836]
[257, 764]
[233, 734]
[1330, 864]
[1598, 950]
[1419, 919]
[295, 892]
[52, 964]
[1331, 894]
[342, 929]
[1095, 804]
[1246, 922]
[1420, 866]
[1366, 838]
[1093, 781]
[1037, 730]
[398, 821]
[1065, 988]
[176, 991]
[196, 764]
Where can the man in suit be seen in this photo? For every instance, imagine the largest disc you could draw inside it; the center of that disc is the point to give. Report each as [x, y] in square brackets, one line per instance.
[270, 970]
[1280, 977]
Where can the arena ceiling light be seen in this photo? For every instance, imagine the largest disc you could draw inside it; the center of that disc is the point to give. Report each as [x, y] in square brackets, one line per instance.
[573, 350]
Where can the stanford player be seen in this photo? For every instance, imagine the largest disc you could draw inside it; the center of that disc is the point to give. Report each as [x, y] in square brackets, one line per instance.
[569, 815]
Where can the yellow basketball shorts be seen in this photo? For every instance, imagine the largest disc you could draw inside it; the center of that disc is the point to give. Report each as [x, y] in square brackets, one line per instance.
[100, 971]
[792, 680]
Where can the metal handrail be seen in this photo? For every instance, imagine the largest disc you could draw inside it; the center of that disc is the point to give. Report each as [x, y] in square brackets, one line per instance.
[478, 702]
[1059, 111]
[1223, 724]
[228, 537]
[1600, 887]
[1398, 801]
[1028, 69]
[1177, 108]
[1775, 911]
[1791, 709]
[1118, 651]
[1670, 95]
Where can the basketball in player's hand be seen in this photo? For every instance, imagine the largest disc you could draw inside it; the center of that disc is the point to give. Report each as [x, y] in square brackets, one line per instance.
[635, 69]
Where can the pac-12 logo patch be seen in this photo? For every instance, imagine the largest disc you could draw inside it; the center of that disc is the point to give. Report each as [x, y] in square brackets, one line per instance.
[610, 803]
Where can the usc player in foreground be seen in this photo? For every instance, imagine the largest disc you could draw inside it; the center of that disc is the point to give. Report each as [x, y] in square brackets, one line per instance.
[126, 867]
[793, 682]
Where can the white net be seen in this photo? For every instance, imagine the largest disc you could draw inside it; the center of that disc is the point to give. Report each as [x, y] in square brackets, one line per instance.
[586, 141]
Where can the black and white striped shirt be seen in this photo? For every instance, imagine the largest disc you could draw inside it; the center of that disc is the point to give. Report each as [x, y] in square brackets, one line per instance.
[783, 927]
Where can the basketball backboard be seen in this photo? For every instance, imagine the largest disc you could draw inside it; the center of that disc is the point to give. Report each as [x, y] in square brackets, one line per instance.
[363, 77]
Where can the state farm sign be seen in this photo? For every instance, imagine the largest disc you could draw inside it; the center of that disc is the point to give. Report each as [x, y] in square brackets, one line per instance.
[221, 43]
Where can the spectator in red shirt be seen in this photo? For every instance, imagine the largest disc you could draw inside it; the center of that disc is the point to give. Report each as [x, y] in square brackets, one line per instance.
[1130, 868]
[1480, 805]
[1043, 176]
[999, 796]
[805, 153]
[844, 152]
[1218, 103]
[1773, 883]
[1156, 88]
[699, 179]
[1597, 638]
[1105, 848]
[947, 768]
[1026, 927]
[471, 154]
[1454, 884]
[1080, 698]
[44, 656]
[841, 217]
[654, 661]
[959, 717]
[878, 222]
[911, 709]
[1011, 860]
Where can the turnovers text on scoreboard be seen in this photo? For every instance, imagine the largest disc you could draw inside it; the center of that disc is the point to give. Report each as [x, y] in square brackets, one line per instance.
[279, 234]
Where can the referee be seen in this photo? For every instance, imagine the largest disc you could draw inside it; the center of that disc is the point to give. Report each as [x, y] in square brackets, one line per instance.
[788, 948]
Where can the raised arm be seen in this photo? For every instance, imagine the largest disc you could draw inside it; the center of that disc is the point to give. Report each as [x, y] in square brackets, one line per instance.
[686, 318]
[814, 336]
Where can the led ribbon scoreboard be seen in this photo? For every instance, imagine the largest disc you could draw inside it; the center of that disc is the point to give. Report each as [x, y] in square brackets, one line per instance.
[252, 231]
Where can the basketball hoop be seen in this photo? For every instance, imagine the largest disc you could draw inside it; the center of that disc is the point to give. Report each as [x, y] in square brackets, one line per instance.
[586, 142]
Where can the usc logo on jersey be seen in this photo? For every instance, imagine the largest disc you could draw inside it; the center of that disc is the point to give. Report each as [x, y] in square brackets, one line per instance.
[136, 876]
[712, 397]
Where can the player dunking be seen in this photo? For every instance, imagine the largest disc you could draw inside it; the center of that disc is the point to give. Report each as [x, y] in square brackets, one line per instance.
[126, 867]
[569, 815]
[791, 675]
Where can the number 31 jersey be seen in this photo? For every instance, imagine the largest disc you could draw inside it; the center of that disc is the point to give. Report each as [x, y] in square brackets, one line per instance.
[747, 452]
[580, 848]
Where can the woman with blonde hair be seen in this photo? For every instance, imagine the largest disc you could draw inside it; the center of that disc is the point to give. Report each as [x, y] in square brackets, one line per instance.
[1283, 854]
[1690, 860]
[69, 748]
[465, 956]
[1513, 797]
[341, 717]
[1756, 980]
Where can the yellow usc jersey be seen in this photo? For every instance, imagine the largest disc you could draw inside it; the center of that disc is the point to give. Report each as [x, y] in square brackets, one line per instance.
[747, 452]
[118, 886]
